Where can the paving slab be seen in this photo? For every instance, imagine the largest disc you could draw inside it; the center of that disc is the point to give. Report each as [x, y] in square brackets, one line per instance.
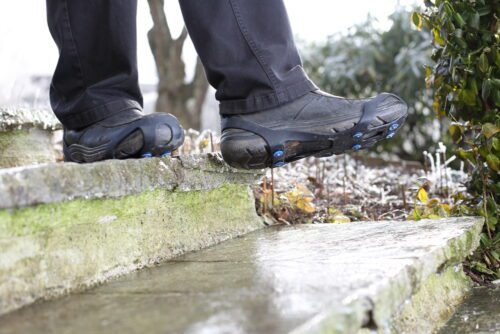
[26, 118]
[480, 313]
[62, 182]
[26, 136]
[399, 277]
[66, 227]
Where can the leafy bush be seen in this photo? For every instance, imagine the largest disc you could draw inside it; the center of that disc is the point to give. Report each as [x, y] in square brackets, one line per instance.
[367, 61]
[466, 87]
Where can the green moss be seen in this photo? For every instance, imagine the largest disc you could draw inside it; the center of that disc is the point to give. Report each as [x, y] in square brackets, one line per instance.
[193, 206]
[51, 249]
[434, 302]
[25, 147]
[9, 139]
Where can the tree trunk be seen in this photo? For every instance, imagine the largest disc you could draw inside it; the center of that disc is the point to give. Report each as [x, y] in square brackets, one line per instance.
[184, 100]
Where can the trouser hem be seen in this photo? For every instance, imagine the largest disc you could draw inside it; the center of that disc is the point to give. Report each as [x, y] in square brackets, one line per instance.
[88, 117]
[263, 102]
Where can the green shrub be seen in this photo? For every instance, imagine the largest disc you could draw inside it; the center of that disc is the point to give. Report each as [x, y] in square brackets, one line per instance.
[466, 84]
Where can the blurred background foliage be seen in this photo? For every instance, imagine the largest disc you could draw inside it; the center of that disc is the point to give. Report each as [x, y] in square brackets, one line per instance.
[466, 80]
[368, 60]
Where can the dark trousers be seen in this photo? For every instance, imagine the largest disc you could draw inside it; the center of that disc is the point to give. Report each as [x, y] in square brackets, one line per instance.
[246, 47]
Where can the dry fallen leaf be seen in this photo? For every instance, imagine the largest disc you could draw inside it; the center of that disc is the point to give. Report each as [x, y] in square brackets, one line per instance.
[301, 198]
[422, 195]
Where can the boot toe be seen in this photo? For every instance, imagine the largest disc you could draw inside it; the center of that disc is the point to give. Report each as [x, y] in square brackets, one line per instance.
[243, 150]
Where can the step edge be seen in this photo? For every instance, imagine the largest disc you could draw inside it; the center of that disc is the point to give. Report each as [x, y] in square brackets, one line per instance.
[357, 312]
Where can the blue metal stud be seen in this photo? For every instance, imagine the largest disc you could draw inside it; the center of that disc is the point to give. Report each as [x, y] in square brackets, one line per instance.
[278, 154]
[394, 127]
[147, 155]
[390, 135]
[358, 135]
[279, 164]
[357, 147]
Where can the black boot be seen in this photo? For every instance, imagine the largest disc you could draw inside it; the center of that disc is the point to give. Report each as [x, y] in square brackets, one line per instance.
[317, 124]
[128, 134]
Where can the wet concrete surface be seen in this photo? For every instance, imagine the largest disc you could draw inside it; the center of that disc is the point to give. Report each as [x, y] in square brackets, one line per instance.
[480, 313]
[271, 281]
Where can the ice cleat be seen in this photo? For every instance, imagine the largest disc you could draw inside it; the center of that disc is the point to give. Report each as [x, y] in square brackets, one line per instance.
[318, 124]
[129, 134]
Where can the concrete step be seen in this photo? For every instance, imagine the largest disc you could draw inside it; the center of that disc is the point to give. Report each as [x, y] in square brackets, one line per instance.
[385, 277]
[26, 136]
[480, 313]
[65, 227]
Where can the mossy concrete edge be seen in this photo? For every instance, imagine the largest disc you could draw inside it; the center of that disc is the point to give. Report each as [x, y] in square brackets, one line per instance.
[388, 300]
[434, 303]
[27, 118]
[52, 249]
[26, 147]
[59, 182]
[390, 305]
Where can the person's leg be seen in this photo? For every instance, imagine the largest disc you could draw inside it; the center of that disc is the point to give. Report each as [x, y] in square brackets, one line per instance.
[271, 112]
[95, 91]
[248, 52]
[96, 75]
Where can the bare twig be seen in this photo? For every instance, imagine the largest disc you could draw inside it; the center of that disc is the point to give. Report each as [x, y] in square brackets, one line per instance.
[403, 194]
[272, 189]
[212, 142]
[264, 186]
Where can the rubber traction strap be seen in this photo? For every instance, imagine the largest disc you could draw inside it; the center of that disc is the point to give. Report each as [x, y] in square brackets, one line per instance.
[276, 138]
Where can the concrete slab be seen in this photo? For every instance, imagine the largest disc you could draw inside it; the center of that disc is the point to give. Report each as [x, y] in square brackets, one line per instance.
[26, 136]
[26, 147]
[67, 227]
[60, 182]
[359, 277]
[25, 118]
[480, 313]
